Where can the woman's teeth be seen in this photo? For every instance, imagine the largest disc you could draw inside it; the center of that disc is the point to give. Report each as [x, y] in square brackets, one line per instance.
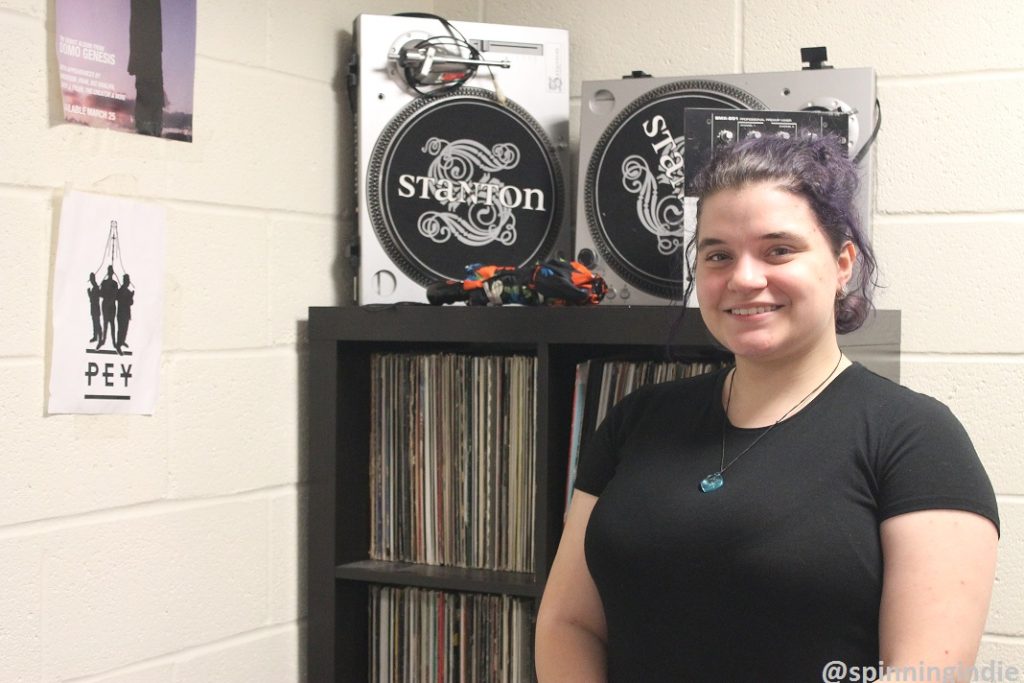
[754, 311]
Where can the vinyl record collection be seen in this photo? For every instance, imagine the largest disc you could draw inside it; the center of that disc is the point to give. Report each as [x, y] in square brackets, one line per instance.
[453, 457]
[420, 635]
[600, 384]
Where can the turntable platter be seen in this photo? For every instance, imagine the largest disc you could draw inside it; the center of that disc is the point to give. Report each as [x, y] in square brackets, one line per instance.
[634, 185]
[459, 179]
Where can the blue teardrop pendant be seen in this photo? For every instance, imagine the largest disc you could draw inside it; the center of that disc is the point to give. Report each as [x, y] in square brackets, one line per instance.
[712, 482]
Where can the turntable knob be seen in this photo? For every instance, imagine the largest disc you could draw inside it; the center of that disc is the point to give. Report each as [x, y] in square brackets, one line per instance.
[725, 136]
[587, 258]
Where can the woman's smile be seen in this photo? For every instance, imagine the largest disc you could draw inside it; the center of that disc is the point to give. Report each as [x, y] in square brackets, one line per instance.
[751, 310]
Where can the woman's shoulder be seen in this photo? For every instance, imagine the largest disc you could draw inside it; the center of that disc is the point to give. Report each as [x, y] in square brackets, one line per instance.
[891, 400]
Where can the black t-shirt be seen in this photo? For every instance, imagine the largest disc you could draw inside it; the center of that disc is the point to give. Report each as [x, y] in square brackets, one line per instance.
[779, 571]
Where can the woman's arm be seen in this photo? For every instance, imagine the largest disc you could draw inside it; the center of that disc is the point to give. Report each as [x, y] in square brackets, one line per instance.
[937, 581]
[571, 630]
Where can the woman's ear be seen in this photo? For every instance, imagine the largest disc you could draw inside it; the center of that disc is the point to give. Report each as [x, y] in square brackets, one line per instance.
[845, 262]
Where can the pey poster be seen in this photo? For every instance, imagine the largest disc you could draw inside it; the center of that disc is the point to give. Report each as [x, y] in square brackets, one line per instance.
[128, 65]
[107, 306]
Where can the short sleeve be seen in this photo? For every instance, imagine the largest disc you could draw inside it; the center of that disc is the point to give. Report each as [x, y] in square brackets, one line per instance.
[597, 460]
[599, 456]
[929, 462]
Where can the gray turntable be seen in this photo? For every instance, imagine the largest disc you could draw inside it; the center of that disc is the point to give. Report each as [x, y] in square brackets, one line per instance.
[633, 218]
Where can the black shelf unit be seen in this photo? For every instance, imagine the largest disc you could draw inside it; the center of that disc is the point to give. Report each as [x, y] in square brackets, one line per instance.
[341, 341]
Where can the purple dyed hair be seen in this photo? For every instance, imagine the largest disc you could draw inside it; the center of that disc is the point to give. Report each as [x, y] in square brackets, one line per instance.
[819, 171]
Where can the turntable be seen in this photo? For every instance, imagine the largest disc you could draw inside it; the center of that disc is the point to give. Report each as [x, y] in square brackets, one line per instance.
[461, 150]
[633, 216]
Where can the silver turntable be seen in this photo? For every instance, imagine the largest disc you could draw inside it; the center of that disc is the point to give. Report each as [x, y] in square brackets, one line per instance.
[632, 222]
[451, 176]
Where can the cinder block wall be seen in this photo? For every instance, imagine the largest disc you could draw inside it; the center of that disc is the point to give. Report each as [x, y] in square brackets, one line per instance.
[167, 549]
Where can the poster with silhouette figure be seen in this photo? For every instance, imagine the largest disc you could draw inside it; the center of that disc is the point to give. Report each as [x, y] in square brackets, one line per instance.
[128, 65]
[107, 306]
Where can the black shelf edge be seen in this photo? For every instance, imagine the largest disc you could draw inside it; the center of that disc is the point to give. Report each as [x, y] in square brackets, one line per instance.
[509, 324]
[521, 584]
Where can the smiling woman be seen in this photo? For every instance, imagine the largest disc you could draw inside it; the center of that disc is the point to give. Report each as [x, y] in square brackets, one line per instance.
[820, 173]
[767, 276]
[759, 523]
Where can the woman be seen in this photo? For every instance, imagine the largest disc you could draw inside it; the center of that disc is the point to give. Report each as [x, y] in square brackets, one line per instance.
[761, 522]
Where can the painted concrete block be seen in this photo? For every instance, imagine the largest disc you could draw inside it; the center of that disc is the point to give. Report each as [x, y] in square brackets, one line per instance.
[303, 257]
[897, 38]
[26, 224]
[21, 604]
[252, 446]
[266, 659]
[932, 155]
[233, 31]
[948, 275]
[217, 290]
[62, 465]
[130, 589]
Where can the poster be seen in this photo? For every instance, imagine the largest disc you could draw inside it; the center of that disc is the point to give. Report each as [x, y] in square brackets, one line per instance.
[107, 306]
[128, 65]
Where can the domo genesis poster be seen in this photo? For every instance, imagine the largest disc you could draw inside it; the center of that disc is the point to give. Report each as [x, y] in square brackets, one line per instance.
[128, 65]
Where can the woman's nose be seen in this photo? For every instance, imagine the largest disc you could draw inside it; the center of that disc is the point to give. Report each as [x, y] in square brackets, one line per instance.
[748, 273]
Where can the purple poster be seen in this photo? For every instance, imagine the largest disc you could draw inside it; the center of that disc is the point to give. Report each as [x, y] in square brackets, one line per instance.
[128, 65]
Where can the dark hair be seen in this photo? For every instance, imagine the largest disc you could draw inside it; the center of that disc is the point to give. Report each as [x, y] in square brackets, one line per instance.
[818, 170]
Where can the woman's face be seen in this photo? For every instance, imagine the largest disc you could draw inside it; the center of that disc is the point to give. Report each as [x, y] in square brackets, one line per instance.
[767, 276]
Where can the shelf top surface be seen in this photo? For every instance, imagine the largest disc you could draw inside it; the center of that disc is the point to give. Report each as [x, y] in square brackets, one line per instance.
[644, 325]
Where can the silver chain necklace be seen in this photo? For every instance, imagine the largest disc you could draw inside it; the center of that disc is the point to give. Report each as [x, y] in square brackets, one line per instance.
[715, 481]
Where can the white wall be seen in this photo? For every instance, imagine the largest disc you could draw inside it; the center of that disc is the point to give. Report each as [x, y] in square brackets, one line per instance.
[167, 549]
